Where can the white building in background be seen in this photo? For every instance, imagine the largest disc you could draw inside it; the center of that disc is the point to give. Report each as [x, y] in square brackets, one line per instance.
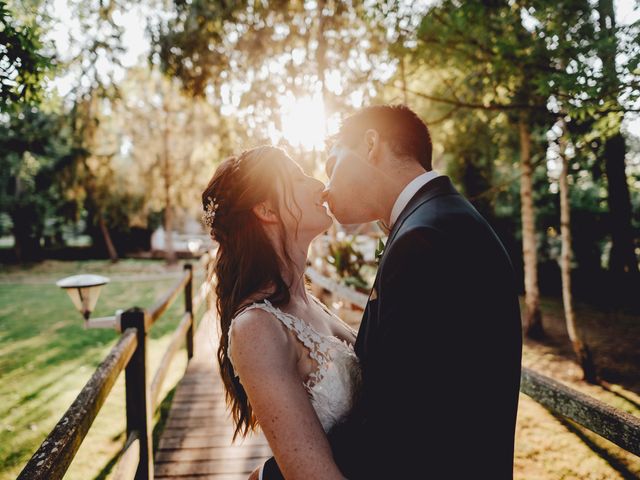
[192, 238]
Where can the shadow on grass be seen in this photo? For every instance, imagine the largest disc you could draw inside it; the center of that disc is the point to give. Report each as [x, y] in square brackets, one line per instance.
[108, 467]
[610, 334]
[614, 462]
[163, 413]
[608, 387]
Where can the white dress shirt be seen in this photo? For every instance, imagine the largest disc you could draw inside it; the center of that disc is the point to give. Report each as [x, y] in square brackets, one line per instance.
[409, 191]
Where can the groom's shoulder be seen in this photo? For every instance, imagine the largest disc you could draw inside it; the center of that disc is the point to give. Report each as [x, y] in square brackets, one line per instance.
[415, 236]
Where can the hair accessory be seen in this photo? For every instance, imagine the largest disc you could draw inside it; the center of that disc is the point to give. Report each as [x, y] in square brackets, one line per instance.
[209, 213]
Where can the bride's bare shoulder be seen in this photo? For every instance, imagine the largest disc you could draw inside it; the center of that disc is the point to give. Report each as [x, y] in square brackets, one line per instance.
[254, 327]
[260, 342]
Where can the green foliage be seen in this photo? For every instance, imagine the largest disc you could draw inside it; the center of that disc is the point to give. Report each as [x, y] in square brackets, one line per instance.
[348, 262]
[251, 55]
[24, 67]
[33, 149]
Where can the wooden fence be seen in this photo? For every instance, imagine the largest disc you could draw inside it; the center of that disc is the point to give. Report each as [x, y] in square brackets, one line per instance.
[52, 459]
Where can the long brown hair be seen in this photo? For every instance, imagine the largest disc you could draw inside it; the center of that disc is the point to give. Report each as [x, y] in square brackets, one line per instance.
[246, 261]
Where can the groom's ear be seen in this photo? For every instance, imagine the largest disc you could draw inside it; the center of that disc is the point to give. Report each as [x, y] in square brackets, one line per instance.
[265, 212]
[372, 144]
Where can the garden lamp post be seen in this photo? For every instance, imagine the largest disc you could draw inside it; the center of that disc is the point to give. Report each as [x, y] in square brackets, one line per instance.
[84, 291]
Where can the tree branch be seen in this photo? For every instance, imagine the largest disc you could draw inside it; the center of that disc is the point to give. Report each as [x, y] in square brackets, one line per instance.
[478, 106]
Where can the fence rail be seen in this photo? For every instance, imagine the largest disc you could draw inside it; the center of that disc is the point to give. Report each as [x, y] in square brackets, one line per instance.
[55, 454]
[617, 426]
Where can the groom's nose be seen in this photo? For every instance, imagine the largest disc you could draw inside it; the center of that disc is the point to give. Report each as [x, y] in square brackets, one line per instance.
[325, 194]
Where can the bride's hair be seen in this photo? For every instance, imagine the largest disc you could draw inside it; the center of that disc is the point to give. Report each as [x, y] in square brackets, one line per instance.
[246, 262]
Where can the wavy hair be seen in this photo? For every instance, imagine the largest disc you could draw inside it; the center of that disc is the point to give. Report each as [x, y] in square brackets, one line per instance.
[246, 262]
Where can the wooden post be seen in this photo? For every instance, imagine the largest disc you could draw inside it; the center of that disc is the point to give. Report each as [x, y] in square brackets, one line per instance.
[188, 308]
[209, 278]
[137, 392]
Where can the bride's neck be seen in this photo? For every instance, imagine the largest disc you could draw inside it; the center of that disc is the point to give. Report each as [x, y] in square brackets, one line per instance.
[294, 264]
[293, 275]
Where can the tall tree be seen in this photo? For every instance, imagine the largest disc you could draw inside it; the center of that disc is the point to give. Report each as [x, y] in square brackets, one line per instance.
[32, 148]
[169, 142]
[583, 354]
[623, 261]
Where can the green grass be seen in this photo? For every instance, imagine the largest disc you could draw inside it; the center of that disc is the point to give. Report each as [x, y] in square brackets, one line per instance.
[46, 357]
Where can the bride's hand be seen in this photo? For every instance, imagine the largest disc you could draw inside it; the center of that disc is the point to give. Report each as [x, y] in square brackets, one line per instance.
[255, 475]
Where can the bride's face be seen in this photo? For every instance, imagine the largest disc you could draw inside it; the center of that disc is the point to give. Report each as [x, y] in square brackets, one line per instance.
[302, 204]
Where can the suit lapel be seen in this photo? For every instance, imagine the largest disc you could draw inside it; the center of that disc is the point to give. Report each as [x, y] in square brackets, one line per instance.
[438, 186]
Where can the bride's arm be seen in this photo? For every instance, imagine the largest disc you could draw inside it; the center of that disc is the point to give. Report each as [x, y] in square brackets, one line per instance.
[265, 359]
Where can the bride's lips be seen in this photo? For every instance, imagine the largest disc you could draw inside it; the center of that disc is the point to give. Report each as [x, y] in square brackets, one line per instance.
[324, 199]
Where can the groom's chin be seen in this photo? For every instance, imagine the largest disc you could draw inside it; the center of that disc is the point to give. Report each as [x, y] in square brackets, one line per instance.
[347, 218]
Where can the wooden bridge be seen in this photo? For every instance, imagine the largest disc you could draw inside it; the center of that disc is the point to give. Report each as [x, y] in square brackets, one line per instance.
[196, 442]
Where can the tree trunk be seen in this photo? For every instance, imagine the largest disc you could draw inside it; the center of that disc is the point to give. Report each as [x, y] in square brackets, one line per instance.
[24, 218]
[623, 262]
[27, 246]
[581, 349]
[113, 254]
[533, 318]
[170, 254]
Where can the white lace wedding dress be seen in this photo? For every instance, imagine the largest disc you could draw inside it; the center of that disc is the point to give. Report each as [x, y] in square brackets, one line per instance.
[333, 385]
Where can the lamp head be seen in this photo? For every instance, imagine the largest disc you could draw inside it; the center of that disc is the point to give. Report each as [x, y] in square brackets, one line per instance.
[84, 291]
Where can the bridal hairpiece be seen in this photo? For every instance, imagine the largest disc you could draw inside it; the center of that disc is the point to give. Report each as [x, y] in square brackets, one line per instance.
[209, 213]
[212, 205]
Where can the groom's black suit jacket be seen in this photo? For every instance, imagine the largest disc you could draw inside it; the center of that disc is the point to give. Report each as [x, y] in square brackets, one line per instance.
[440, 347]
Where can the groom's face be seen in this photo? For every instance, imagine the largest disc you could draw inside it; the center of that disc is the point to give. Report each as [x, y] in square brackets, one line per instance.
[349, 186]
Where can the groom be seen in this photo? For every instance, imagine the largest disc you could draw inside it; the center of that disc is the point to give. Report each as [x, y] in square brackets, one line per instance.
[440, 340]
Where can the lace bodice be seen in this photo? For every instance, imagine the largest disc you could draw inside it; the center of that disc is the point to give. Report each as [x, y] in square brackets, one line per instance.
[333, 385]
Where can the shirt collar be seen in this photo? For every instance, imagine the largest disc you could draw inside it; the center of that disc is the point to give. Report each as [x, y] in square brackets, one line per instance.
[409, 191]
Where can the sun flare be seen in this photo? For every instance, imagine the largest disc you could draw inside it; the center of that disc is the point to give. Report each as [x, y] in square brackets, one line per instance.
[304, 121]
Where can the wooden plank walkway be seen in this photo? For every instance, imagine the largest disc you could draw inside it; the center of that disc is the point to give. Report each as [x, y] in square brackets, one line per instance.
[196, 441]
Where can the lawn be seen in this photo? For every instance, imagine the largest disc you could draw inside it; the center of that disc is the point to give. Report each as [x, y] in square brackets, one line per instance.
[46, 356]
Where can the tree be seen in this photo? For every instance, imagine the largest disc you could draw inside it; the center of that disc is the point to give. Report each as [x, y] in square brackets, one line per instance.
[252, 57]
[23, 64]
[623, 261]
[584, 43]
[170, 144]
[32, 149]
[583, 354]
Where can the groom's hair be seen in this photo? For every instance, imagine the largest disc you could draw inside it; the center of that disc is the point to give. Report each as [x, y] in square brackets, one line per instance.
[405, 133]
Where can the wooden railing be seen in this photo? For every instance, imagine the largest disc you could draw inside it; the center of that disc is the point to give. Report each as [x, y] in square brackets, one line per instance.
[52, 459]
[617, 426]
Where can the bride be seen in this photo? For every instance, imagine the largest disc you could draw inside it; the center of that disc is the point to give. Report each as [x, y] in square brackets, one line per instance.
[287, 363]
